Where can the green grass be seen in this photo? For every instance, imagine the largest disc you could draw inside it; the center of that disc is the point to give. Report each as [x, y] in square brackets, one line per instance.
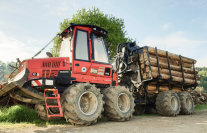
[199, 107]
[18, 113]
[23, 114]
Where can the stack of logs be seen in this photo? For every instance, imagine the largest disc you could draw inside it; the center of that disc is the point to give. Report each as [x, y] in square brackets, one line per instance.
[199, 97]
[168, 63]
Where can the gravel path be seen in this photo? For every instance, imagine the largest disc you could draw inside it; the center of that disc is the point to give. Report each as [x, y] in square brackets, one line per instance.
[196, 123]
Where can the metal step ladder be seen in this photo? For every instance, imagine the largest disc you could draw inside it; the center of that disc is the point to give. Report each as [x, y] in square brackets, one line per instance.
[55, 97]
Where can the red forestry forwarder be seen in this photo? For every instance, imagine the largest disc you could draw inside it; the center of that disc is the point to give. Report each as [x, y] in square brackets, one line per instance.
[79, 85]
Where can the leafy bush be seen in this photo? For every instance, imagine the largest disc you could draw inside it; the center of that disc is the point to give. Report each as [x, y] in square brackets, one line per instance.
[203, 77]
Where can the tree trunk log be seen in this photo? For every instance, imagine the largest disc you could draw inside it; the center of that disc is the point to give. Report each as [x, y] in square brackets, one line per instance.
[174, 73]
[178, 66]
[164, 60]
[165, 66]
[171, 56]
[162, 88]
[176, 79]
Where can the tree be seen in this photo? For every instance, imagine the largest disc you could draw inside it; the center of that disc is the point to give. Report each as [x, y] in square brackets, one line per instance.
[114, 26]
[203, 76]
[5, 69]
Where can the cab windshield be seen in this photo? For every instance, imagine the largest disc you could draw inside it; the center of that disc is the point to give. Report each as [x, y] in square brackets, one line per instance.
[100, 52]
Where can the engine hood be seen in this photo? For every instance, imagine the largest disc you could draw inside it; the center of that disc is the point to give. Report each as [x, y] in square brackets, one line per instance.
[45, 67]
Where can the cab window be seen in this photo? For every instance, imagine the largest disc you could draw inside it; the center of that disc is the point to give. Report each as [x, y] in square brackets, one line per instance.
[81, 45]
[100, 51]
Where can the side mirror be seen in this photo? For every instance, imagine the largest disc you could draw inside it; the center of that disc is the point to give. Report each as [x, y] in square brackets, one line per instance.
[49, 54]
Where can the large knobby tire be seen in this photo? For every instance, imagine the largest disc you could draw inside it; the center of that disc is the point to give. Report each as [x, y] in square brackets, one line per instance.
[82, 104]
[42, 113]
[168, 103]
[119, 103]
[187, 104]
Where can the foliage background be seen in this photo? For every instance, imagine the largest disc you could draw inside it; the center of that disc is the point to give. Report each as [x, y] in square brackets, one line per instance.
[203, 76]
[114, 26]
[5, 70]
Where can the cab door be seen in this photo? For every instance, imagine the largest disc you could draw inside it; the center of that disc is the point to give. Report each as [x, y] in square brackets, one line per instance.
[81, 62]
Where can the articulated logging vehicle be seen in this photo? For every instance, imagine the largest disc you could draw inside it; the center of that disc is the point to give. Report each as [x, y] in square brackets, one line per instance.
[81, 85]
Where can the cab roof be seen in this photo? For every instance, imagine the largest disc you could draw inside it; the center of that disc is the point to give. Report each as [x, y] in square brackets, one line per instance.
[95, 29]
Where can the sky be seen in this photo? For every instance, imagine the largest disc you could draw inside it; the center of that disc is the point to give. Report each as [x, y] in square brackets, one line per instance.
[178, 26]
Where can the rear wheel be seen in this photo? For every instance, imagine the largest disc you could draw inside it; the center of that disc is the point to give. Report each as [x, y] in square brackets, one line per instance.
[82, 104]
[119, 103]
[168, 103]
[187, 104]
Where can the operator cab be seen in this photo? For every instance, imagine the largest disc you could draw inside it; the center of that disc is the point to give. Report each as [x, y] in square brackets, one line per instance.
[87, 52]
[82, 39]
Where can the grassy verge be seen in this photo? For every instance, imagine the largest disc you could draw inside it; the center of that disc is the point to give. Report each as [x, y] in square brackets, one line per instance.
[24, 115]
[201, 107]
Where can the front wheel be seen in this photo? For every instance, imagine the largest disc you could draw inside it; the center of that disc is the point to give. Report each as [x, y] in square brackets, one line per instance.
[82, 104]
[119, 103]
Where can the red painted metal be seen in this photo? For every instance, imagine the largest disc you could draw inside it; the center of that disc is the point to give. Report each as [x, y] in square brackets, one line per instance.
[88, 75]
[45, 67]
[115, 78]
[57, 98]
[49, 67]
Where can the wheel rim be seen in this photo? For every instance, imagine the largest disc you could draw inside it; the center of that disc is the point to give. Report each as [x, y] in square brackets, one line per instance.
[189, 103]
[174, 103]
[88, 103]
[123, 102]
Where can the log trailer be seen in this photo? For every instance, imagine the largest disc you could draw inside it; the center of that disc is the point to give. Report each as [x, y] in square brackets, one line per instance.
[158, 79]
[81, 85]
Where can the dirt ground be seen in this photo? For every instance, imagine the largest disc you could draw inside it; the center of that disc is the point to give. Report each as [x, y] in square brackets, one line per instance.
[196, 123]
